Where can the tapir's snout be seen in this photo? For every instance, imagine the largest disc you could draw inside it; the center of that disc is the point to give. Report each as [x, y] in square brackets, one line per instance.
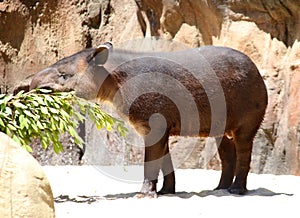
[43, 79]
[38, 79]
[49, 78]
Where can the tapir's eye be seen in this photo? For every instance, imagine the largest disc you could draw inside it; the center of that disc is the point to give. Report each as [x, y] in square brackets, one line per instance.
[65, 75]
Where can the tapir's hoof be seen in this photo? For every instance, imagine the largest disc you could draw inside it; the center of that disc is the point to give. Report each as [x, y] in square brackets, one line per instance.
[146, 195]
[237, 191]
[166, 192]
[221, 187]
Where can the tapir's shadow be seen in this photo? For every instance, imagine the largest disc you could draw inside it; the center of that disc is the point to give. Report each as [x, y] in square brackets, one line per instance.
[185, 195]
[205, 193]
[221, 193]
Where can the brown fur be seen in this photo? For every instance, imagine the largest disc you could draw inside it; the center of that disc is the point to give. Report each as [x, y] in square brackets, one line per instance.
[200, 73]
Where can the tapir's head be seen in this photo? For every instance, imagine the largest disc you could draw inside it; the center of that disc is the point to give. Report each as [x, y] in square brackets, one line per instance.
[82, 72]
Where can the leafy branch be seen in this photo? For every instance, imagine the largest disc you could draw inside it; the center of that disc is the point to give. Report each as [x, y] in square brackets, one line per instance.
[46, 115]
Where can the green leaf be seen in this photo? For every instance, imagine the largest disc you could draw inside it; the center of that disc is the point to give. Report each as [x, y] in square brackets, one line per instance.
[28, 113]
[72, 131]
[16, 139]
[108, 125]
[8, 111]
[61, 125]
[53, 110]
[7, 98]
[11, 127]
[45, 142]
[122, 130]
[44, 90]
[52, 123]
[27, 148]
[40, 100]
[39, 125]
[23, 121]
[19, 94]
[48, 98]
[34, 127]
[19, 105]
[35, 103]
[57, 147]
[78, 141]
[64, 114]
[8, 132]
[44, 110]
[1, 122]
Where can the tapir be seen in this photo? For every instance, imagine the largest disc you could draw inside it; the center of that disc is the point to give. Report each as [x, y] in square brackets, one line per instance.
[209, 91]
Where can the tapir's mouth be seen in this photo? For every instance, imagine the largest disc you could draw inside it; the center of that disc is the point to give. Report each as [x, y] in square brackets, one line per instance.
[56, 88]
[51, 86]
[46, 87]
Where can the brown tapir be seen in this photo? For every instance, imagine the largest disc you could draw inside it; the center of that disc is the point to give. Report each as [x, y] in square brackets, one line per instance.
[206, 91]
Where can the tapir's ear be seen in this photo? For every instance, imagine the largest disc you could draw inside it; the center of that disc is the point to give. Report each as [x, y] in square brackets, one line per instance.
[101, 53]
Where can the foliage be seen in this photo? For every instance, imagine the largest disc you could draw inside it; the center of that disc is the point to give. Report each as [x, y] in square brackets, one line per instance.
[46, 115]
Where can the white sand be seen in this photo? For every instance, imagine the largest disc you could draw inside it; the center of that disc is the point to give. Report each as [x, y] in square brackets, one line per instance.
[269, 195]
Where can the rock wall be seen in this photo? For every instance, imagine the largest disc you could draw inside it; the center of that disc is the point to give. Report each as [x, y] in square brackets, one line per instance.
[34, 34]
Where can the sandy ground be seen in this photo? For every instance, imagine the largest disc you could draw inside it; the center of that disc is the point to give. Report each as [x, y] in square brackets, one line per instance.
[85, 191]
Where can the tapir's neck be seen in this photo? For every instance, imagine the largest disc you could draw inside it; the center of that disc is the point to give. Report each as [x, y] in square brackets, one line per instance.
[107, 89]
[111, 92]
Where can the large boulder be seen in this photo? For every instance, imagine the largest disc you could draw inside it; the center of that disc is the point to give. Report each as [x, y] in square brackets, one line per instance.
[24, 187]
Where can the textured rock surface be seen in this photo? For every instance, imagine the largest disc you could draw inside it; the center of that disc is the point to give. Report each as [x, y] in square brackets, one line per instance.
[36, 34]
[25, 189]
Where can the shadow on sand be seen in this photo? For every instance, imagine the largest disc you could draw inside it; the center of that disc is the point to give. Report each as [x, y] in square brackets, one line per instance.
[185, 195]
[221, 193]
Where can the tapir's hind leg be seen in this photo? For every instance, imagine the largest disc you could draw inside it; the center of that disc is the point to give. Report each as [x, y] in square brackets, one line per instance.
[243, 140]
[168, 172]
[228, 159]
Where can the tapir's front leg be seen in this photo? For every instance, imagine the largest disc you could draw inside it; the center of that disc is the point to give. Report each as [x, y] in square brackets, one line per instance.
[154, 154]
[169, 175]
